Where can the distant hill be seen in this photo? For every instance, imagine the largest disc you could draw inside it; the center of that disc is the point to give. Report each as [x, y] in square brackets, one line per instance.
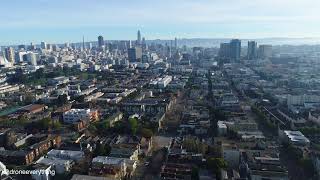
[207, 42]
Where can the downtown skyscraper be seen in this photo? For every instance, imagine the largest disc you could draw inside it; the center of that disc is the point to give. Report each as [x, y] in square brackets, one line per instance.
[139, 38]
[235, 50]
[100, 41]
[9, 54]
[252, 50]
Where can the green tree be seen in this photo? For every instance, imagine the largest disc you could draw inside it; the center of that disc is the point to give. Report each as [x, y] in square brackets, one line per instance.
[17, 77]
[93, 128]
[80, 99]
[39, 74]
[133, 122]
[216, 164]
[308, 166]
[84, 76]
[22, 120]
[102, 150]
[310, 130]
[105, 124]
[56, 125]
[45, 123]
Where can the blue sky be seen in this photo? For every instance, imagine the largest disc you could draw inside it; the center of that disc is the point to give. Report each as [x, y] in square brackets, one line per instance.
[57, 21]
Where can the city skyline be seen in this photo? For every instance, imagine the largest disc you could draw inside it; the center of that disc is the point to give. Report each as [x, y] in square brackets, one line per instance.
[62, 21]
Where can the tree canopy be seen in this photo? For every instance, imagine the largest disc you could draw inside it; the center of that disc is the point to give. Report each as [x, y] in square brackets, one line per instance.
[133, 122]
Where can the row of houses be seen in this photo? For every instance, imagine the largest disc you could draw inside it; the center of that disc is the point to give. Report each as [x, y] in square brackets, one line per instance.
[148, 106]
[31, 153]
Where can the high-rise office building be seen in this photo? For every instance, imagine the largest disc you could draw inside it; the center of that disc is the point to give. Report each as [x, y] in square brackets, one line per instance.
[100, 41]
[139, 38]
[49, 47]
[143, 42]
[31, 58]
[2, 58]
[83, 44]
[32, 47]
[224, 51]
[43, 45]
[22, 47]
[235, 50]
[130, 44]
[175, 43]
[252, 50]
[134, 54]
[170, 48]
[9, 53]
[73, 46]
[55, 47]
[20, 56]
[265, 51]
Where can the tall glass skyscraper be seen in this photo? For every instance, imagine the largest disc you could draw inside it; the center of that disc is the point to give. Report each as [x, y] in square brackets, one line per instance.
[252, 50]
[100, 41]
[235, 50]
[139, 38]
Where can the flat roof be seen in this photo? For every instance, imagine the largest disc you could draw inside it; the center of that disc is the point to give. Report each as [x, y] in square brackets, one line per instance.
[296, 136]
[110, 160]
[55, 152]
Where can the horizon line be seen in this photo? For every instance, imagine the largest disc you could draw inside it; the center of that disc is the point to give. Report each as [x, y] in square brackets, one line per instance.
[167, 39]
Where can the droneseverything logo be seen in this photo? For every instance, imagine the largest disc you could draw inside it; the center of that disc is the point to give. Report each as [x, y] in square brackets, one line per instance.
[29, 172]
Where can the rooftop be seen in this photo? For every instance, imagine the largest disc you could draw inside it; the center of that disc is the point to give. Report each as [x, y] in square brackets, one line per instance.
[77, 111]
[86, 177]
[65, 153]
[52, 161]
[296, 136]
[110, 160]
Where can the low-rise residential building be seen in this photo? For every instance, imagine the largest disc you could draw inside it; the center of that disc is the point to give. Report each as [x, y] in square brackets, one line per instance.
[59, 165]
[32, 109]
[17, 157]
[267, 168]
[94, 96]
[66, 155]
[112, 167]
[231, 154]
[161, 83]
[222, 128]
[59, 80]
[46, 172]
[52, 141]
[294, 137]
[74, 115]
[149, 106]
[6, 88]
[123, 152]
[176, 171]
